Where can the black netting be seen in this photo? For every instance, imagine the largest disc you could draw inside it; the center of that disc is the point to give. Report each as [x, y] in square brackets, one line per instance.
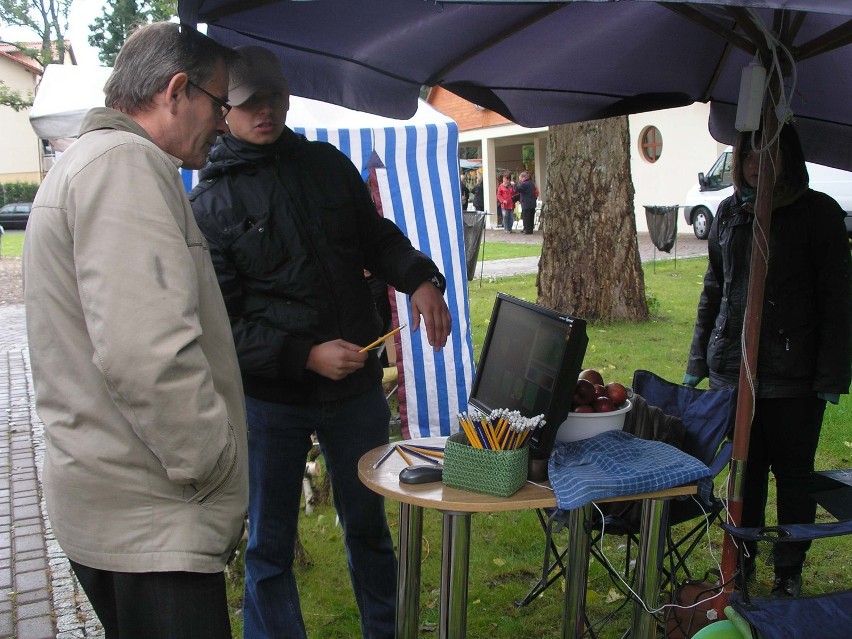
[662, 226]
[474, 228]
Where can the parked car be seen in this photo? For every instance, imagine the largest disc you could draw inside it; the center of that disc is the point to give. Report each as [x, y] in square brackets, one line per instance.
[15, 215]
[703, 199]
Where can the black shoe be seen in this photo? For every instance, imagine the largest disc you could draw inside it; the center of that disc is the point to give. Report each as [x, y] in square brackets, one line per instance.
[787, 586]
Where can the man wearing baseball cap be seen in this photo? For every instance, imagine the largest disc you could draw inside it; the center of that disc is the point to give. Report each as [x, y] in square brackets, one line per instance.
[291, 229]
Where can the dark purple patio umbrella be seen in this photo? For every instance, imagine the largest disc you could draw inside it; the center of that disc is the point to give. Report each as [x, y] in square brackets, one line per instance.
[542, 63]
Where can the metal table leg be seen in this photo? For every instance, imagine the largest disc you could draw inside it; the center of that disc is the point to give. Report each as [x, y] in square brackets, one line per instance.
[648, 563]
[408, 577]
[455, 560]
[576, 572]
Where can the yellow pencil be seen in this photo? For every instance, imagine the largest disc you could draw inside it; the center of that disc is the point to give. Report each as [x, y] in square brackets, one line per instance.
[382, 338]
[486, 428]
[470, 431]
[425, 451]
[404, 456]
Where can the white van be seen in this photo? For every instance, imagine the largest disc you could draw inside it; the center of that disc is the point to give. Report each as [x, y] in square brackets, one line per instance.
[703, 199]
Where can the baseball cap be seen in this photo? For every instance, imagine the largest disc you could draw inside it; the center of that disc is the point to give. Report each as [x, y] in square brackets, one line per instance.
[256, 69]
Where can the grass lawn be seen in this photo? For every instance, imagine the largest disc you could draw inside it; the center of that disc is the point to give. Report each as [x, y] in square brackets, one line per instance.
[507, 548]
[507, 250]
[11, 244]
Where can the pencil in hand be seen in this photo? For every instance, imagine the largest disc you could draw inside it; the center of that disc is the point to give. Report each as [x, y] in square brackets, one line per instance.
[382, 338]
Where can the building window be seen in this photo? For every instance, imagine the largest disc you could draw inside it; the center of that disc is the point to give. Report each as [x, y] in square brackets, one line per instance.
[651, 143]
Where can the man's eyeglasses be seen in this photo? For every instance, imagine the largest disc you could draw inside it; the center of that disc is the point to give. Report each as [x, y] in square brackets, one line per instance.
[222, 104]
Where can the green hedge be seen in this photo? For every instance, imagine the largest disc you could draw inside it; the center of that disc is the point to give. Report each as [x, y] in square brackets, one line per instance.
[17, 192]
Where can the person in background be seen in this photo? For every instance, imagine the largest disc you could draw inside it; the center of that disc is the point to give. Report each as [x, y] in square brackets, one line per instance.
[465, 193]
[805, 345]
[506, 198]
[478, 195]
[529, 194]
[136, 377]
[292, 229]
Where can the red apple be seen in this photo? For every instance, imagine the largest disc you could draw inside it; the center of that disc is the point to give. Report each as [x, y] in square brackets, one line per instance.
[603, 405]
[617, 393]
[585, 408]
[584, 392]
[592, 375]
[600, 390]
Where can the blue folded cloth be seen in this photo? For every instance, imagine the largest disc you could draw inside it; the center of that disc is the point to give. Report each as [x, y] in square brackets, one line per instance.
[615, 464]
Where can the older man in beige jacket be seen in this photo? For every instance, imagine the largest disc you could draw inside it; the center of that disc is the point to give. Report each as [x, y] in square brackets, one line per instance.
[134, 366]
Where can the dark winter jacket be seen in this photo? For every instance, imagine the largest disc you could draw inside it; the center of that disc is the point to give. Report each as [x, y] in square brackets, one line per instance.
[478, 197]
[291, 228]
[528, 192]
[806, 323]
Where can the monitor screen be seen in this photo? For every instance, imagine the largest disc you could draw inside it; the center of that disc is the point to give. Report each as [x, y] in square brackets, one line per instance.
[530, 362]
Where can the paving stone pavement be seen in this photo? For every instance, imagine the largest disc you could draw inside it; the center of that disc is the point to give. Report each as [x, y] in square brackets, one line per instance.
[39, 597]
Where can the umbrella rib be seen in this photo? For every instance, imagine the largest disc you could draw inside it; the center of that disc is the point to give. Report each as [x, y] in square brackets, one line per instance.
[838, 37]
[696, 16]
[435, 78]
[788, 29]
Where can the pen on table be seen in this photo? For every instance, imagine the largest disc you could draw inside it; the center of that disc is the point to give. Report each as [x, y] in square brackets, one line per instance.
[432, 452]
[410, 444]
[382, 338]
[384, 456]
[403, 455]
[427, 458]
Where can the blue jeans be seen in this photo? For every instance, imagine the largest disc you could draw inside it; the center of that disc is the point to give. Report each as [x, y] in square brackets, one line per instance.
[508, 219]
[279, 441]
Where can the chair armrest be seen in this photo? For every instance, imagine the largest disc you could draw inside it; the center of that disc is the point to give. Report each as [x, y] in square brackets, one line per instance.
[722, 458]
[791, 532]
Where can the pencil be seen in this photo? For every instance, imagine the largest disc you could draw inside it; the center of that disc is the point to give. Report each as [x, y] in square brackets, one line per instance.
[403, 455]
[426, 451]
[437, 449]
[427, 458]
[384, 456]
[382, 338]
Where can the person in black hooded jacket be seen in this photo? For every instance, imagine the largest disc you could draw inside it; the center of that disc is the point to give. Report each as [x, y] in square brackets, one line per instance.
[805, 338]
[291, 229]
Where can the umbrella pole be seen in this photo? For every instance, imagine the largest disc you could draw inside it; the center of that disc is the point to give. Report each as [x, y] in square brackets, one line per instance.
[751, 339]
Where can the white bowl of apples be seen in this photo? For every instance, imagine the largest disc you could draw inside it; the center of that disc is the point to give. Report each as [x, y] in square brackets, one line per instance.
[596, 408]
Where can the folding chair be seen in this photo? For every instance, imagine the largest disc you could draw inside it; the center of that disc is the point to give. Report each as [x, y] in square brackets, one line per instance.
[707, 417]
[827, 616]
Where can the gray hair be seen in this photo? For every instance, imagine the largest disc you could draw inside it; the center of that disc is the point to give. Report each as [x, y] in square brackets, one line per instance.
[151, 57]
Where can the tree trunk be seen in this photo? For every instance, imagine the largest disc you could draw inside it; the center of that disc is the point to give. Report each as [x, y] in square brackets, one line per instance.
[590, 266]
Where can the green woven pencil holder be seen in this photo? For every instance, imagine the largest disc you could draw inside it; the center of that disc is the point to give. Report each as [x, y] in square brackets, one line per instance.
[493, 472]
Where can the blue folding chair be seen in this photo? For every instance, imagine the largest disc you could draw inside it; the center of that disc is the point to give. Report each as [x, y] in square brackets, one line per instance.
[826, 616]
[707, 418]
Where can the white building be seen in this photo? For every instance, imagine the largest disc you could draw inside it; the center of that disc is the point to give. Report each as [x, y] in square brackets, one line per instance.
[668, 149]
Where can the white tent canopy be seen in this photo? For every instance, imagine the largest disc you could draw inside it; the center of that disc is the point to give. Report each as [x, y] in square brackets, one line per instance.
[64, 95]
[419, 190]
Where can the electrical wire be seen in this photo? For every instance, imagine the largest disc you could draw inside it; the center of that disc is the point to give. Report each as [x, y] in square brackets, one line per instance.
[648, 609]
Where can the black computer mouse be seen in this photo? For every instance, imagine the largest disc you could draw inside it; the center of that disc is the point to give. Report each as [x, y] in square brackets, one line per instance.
[421, 474]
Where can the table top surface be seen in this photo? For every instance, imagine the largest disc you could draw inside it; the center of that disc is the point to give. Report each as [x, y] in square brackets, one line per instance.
[385, 481]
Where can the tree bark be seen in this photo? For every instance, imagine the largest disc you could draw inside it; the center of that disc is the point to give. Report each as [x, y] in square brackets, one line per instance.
[590, 265]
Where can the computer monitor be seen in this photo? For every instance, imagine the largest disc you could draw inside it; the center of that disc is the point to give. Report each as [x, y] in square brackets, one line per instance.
[530, 362]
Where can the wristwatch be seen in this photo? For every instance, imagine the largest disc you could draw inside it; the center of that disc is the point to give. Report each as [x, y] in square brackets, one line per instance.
[439, 282]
